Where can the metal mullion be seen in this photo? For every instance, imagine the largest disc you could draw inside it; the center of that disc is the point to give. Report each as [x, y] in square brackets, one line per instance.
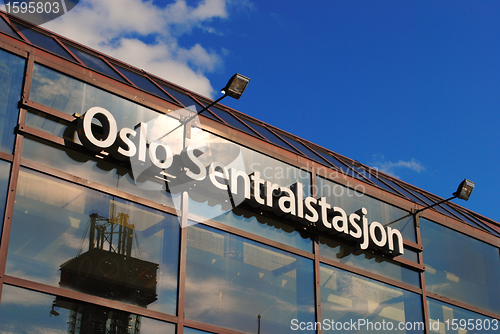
[248, 124]
[382, 180]
[210, 328]
[120, 73]
[460, 227]
[463, 305]
[14, 45]
[108, 84]
[35, 106]
[208, 110]
[317, 283]
[397, 192]
[286, 141]
[79, 296]
[117, 72]
[68, 51]
[483, 225]
[41, 134]
[6, 18]
[181, 283]
[11, 197]
[158, 86]
[96, 186]
[415, 246]
[250, 236]
[6, 156]
[425, 308]
[328, 163]
[370, 275]
[14, 172]
[409, 264]
[230, 114]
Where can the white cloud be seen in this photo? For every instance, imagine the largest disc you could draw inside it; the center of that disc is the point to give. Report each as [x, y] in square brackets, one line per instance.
[145, 35]
[392, 168]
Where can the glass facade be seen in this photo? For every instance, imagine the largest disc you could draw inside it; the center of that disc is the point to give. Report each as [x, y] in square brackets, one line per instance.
[180, 227]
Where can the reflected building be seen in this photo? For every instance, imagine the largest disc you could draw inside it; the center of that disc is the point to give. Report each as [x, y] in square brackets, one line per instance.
[108, 270]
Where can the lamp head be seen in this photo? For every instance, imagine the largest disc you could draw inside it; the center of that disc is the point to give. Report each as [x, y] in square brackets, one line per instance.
[236, 86]
[464, 190]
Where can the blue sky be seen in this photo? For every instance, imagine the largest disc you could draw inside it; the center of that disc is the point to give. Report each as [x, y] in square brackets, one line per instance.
[410, 87]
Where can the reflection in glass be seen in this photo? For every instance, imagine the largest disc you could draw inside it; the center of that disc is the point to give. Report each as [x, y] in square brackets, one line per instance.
[347, 297]
[7, 29]
[445, 318]
[352, 200]
[209, 202]
[460, 267]
[73, 237]
[70, 96]
[4, 183]
[230, 281]
[188, 330]
[43, 41]
[95, 63]
[24, 311]
[368, 261]
[277, 230]
[11, 79]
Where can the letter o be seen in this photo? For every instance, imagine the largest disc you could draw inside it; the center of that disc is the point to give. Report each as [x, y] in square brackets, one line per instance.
[109, 126]
[373, 234]
[154, 159]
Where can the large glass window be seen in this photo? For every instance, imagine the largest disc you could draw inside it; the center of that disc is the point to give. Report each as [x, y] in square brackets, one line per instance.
[229, 206]
[448, 319]
[353, 200]
[25, 311]
[69, 95]
[460, 267]
[11, 80]
[230, 281]
[70, 236]
[96, 169]
[344, 253]
[373, 307]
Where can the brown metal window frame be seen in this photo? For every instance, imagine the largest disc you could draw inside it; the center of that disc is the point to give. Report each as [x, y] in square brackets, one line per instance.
[96, 79]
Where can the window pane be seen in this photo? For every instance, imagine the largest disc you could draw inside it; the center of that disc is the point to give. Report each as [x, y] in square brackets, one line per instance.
[271, 136]
[184, 99]
[45, 42]
[143, 83]
[230, 281]
[308, 152]
[25, 311]
[96, 170]
[368, 261]
[337, 163]
[351, 201]
[80, 239]
[233, 210]
[445, 318]
[95, 63]
[6, 29]
[349, 298]
[277, 230]
[229, 119]
[4, 184]
[11, 80]
[71, 96]
[460, 267]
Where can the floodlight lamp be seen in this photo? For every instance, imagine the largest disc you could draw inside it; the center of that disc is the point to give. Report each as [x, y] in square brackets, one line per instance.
[53, 312]
[464, 190]
[236, 86]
